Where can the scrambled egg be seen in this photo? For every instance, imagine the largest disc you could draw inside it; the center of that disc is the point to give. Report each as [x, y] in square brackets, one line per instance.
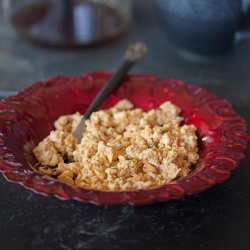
[122, 148]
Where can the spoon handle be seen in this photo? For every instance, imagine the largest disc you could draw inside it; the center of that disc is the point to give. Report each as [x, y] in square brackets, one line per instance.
[108, 88]
[133, 54]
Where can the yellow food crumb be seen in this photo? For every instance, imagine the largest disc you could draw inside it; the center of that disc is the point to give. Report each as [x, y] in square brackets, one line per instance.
[122, 148]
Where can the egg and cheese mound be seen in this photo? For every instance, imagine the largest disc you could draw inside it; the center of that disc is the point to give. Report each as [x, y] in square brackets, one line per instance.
[122, 148]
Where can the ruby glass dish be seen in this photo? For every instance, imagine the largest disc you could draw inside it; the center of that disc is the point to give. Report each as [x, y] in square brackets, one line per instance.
[27, 117]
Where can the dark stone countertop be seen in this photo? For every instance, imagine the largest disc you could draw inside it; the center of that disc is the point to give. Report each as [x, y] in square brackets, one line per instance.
[218, 218]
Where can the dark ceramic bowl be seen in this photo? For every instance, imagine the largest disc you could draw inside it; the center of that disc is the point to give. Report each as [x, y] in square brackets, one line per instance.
[27, 117]
[202, 27]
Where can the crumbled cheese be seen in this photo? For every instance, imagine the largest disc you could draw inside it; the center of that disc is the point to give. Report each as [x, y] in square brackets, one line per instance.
[122, 148]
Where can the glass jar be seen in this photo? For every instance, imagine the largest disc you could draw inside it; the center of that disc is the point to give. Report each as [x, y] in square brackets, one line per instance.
[69, 23]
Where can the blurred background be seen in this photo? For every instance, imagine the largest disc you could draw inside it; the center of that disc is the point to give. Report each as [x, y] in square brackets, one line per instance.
[22, 63]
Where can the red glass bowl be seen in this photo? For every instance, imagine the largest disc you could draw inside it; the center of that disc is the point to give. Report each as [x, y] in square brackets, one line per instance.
[27, 117]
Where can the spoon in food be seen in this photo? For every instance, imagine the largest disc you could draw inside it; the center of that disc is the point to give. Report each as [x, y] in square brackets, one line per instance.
[132, 55]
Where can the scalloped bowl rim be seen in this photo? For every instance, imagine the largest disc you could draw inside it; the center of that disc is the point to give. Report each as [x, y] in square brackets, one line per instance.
[223, 140]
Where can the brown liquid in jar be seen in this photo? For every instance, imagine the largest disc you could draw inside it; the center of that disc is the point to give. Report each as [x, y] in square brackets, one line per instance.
[77, 24]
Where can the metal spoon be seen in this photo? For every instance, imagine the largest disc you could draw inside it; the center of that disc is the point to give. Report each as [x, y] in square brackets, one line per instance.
[133, 54]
